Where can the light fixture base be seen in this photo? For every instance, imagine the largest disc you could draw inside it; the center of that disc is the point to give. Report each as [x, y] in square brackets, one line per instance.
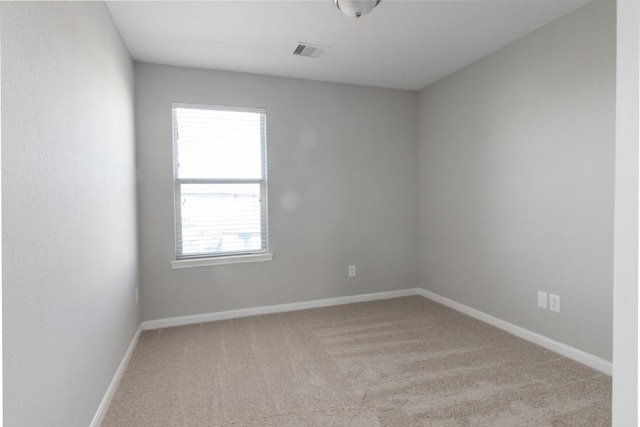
[356, 8]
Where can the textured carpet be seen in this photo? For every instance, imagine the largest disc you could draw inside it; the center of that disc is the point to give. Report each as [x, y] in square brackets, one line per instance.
[398, 362]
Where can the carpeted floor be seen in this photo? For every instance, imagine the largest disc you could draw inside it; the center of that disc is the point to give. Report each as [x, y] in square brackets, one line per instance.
[398, 362]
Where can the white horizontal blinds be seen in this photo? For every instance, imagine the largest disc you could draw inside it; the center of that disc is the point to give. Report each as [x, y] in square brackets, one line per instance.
[220, 180]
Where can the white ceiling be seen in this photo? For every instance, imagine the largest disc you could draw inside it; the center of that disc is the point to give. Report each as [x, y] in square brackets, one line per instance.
[401, 44]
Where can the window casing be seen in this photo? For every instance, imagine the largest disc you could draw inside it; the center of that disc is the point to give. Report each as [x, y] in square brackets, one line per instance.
[220, 177]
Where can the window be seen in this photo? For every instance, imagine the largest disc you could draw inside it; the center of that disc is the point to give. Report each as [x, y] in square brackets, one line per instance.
[220, 172]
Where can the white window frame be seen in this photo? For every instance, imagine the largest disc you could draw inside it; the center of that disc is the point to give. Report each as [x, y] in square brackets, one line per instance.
[212, 258]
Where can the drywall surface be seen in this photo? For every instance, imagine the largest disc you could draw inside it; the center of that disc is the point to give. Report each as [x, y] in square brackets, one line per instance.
[625, 313]
[516, 180]
[342, 190]
[69, 221]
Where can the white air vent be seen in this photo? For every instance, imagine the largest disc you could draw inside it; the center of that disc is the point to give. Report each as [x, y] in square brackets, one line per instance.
[310, 50]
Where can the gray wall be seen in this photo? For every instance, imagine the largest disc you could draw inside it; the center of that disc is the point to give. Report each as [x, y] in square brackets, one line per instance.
[344, 154]
[516, 180]
[68, 198]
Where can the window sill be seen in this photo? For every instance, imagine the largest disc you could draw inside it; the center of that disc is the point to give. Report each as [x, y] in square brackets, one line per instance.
[233, 259]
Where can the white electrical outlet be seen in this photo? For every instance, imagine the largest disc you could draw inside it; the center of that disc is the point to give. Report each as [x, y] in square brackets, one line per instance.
[137, 296]
[352, 271]
[554, 303]
[542, 300]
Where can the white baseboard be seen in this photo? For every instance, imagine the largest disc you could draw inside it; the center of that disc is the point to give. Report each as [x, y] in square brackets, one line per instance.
[106, 400]
[558, 347]
[281, 308]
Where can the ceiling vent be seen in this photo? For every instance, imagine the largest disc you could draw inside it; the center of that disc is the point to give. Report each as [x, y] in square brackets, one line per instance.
[310, 50]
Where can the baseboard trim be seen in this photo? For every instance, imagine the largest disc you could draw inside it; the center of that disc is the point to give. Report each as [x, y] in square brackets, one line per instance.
[580, 356]
[270, 309]
[106, 400]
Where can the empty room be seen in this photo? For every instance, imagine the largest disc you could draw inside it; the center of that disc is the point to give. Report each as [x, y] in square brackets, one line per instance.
[320, 213]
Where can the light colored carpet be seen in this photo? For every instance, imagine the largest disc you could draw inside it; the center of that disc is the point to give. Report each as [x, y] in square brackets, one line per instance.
[398, 362]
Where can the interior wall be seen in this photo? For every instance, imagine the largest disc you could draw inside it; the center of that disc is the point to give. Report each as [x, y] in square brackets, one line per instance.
[342, 186]
[69, 221]
[625, 318]
[516, 164]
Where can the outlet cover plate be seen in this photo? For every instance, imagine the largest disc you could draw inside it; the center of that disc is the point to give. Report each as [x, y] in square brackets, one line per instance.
[542, 300]
[554, 303]
[352, 271]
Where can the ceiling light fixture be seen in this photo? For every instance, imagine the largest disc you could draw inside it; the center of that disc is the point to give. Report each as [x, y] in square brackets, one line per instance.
[356, 8]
